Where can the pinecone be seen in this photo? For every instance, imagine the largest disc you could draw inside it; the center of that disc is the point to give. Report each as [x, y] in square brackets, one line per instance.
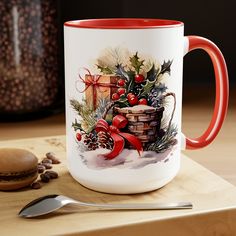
[91, 140]
[105, 140]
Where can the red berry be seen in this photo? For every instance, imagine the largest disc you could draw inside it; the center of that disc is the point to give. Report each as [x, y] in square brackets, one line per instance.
[78, 136]
[129, 95]
[115, 96]
[139, 78]
[121, 91]
[142, 101]
[121, 82]
[133, 101]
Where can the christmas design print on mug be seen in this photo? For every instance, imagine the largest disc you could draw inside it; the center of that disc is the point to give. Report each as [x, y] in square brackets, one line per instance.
[120, 122]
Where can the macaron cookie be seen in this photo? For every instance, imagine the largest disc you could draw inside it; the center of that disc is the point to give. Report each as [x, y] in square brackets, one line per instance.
[18, 168]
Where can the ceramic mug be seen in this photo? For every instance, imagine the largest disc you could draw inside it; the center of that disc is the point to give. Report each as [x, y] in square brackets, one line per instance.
[124, 101]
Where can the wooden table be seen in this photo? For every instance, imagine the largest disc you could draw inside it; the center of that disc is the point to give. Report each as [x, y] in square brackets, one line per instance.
[213, 198]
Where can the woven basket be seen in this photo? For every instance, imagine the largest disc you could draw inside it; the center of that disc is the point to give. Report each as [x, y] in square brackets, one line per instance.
[144, 121]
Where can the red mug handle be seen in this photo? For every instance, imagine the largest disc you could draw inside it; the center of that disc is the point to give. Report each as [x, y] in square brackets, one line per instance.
[222, 91]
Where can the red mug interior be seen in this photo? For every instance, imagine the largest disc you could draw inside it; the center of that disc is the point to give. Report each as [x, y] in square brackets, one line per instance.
[123, 23]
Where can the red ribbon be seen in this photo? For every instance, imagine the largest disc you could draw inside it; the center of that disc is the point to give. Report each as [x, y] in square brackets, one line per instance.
[118, 137]
[93, 80]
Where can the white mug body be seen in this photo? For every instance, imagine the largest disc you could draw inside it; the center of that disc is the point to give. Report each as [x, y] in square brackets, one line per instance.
[98, 64]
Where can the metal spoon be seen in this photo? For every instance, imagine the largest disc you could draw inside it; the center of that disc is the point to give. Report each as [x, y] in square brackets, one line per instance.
[49, 203]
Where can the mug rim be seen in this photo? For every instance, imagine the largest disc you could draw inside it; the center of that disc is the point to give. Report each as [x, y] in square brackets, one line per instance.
[124, 23]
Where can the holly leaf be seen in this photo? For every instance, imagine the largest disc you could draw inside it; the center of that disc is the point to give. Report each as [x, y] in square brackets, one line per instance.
[136, 63]
[161, 88]
[122, 102]
[120, 70]
[150, 81]
[165, 67]
[127, 75]
[152, 74]
[130, 83]
[104, 69]
[76, 126]
[131, 74]
[149, 85]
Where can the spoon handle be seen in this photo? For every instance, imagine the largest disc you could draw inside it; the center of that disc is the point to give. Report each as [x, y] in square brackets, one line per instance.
[141, 206]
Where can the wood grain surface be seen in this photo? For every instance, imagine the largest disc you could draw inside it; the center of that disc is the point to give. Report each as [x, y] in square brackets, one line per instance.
[214, 201]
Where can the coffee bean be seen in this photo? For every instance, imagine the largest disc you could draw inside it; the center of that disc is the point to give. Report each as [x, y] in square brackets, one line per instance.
[47, 165]
[46, 160]
[47, 174]
[45, 178]
[36, 185]
[41, 168]
[52, 156]
[56, 161]
[52, 174]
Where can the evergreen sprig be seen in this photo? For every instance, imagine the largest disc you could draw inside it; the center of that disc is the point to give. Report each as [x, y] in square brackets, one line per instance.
[102, 105]
[165, 142]
[86, 113]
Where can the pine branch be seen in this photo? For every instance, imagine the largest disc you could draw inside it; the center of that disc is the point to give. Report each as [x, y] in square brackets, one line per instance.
[165, 142]
[77, 106]
[88, 121]
[103, 103]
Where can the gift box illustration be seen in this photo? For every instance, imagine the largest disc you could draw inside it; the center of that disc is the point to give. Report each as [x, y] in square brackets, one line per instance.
[98, 87]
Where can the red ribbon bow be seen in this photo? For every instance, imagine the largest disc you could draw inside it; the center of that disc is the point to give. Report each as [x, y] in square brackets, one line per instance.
[118, 137]
[93, 80]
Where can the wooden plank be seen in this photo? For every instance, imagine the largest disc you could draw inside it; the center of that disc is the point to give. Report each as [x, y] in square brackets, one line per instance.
[214, 202]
